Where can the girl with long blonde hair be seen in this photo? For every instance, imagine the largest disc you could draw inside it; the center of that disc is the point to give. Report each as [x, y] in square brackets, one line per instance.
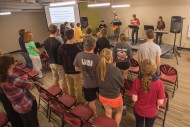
[110, 81]
[148, 94]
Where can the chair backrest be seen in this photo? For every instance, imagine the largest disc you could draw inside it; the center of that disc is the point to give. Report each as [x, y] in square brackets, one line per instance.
[168, 70]
[134, 63]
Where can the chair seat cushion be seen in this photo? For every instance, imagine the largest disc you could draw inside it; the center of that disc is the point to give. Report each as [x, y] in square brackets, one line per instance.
[82, 111]
[67, 100]
[134, 69]
[56, 108]
[26, 69]
[54, 90]
[71, 120]
[170, 79]
[3, 119]
[32, 74]
[104, 121]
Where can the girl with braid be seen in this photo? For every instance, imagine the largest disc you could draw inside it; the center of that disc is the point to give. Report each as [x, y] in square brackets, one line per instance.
[148, 94]
[110, 81]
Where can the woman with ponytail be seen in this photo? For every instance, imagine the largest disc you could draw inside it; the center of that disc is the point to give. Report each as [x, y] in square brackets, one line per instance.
[17, 91]
[148, 94]
[110, 81]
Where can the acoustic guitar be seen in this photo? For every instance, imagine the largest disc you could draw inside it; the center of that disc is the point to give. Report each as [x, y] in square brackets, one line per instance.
[113, 27]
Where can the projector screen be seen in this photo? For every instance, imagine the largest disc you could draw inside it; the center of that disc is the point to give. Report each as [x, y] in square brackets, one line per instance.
[60, 14]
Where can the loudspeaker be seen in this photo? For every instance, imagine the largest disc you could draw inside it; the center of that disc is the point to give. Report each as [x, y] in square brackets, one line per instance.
[84, 22]
[176, 24]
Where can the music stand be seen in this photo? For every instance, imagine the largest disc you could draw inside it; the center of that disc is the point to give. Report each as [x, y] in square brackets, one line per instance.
[147, 27]
[118, 23]
[174, 51]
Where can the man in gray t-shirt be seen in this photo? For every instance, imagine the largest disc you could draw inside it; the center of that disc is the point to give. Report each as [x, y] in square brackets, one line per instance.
[149, 50]
[87, 62]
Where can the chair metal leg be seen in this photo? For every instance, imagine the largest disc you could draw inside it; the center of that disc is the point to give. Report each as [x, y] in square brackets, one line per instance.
[49, 114]
[47, 109]
[39, 102]
[173, 91]
[164, 119]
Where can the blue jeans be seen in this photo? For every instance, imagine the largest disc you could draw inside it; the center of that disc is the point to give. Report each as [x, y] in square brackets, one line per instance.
[27, 59]
[149, 122]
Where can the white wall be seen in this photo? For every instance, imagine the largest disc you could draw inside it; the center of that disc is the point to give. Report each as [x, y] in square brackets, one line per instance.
[11, 24]
[148, 12]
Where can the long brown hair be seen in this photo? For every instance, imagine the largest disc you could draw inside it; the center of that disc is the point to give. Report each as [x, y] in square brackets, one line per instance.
[105, 57]
[5, 62]
[147, 70]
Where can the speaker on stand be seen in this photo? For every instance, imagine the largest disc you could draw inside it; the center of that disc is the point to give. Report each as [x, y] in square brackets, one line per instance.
[84, 22]
[175, 27]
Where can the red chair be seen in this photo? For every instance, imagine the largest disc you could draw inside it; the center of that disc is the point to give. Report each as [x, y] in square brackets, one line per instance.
[67, 100]
[53, 90]
[127, 93]
[134, 67]
[3, 119]
[164, 108]
[71, 116]
[169, 76]
[101, 121]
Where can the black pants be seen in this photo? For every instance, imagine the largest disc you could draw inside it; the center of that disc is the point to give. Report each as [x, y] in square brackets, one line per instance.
[30, 119]
[116, 33]
[135, 31]
[159, 38]
[13, 116]
[81, 45]
[149, 122]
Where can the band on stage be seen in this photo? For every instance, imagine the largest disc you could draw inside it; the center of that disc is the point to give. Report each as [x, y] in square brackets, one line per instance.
[134, 26]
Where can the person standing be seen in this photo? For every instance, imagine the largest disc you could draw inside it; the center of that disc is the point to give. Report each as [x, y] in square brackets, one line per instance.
[79, 36]
[63, 28]
[135, 22]
[150, 50]
[102, 42]
[87, 62]
[122, 54]
[51, 47]
[110, 81]
[23, 50]
[34, 53]
[17, 91]
[116, 28]
[148, 94]
[102, 25]
[12, 115]
[160, 26]
[66, 55]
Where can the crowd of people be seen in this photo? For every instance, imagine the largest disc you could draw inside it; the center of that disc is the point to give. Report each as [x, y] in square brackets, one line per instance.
[81, 64]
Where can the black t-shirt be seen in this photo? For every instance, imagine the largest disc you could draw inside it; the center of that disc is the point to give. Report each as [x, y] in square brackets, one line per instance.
[51, 47]
[101, 44]
[102, 26]
[66, 56]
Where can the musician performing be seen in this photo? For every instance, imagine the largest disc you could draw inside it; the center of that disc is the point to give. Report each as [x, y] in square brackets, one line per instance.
[160, 26]
[135, 22]
[115, 26]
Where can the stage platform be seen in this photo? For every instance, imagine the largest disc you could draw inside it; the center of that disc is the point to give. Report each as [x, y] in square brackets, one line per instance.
[164, 47]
